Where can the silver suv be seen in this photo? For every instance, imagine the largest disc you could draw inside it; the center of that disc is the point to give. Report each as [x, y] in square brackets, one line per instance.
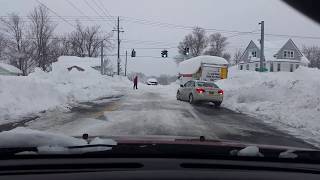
[200, 91]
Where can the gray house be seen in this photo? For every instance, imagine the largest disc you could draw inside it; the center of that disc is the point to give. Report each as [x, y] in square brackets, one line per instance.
[9, 70]
[279, 56]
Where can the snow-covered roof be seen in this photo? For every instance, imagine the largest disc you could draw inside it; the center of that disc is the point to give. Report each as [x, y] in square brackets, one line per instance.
[192, 65]
[152, 80]
[85, 63]
[271, 48]
[10, 68]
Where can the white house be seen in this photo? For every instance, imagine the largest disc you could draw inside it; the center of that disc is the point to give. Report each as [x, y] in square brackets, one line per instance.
[279, 56]
[9, 70]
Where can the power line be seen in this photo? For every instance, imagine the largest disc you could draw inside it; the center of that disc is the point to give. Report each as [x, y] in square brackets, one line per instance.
[75, 7]
[167, 25]
[56, 14]
[103, 6]
[155, 47]
[93, 9]
[160, 43]
[102, 10]
[176, 26]
[123, 55]
[241, 34]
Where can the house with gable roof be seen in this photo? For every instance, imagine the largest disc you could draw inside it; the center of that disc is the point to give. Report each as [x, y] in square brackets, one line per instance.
[279, 56]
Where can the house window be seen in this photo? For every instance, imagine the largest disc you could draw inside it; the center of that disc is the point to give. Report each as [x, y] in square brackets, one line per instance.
[271, 67]
[279, 67]
[288, 54]
[247, 66]
[257, 65]
[241, 67]
[297, 66]
[254, 53]
[291, 67]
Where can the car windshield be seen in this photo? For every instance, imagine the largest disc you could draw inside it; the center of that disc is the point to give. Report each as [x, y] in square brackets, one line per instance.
[91, 72]
[207, 84]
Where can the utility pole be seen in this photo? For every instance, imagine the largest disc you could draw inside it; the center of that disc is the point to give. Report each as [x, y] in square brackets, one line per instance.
[118, 33]
[125, 70]
[102, 64]
[262, 47]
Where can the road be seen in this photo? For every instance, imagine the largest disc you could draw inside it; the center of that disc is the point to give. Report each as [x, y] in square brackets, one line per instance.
[155, 111]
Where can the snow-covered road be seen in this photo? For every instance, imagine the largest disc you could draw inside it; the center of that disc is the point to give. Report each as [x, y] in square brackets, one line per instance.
[153, 110]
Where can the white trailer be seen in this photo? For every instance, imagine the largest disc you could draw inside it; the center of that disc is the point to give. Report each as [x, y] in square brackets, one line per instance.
[206, 68]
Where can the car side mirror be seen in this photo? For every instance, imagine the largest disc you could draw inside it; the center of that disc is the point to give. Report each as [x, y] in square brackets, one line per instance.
[181, 85]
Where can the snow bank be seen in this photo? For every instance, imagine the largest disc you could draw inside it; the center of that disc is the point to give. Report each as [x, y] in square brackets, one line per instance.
[192, 65]
[86, 63]
[288, 100]
[40, 91]
[10, 68]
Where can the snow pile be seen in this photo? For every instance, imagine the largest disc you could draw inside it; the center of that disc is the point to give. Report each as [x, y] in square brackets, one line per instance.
[192, 65]
[20, 95]
[250, 151]
[10, 68]
[50, 143]
[288, 100]
[65, 62]
[23, 137]
[41, 91]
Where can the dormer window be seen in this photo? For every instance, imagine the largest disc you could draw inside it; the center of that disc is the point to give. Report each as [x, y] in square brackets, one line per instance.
[287, 54]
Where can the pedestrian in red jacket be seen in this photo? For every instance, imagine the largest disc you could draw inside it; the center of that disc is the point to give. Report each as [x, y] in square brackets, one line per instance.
[135, 82]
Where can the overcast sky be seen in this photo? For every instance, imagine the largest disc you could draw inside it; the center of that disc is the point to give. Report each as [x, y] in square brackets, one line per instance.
[224, 15]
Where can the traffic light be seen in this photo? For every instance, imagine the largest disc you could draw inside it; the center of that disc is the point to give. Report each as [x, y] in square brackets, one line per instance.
[133, 53]
[186, 51]
[164, 53]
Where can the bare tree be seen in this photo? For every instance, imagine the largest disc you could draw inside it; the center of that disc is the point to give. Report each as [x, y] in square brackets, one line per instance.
[313, 54]
[196, 42]
[41, 33]
[86, 41]
[2, 47]
[17, 45]
[236, 56]
[227, 56]
[217, 44]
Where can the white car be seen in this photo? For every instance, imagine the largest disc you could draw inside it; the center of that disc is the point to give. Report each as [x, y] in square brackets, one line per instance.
[200, 91]
[152, 81]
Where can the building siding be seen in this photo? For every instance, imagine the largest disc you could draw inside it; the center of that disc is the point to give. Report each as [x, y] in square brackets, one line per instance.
[289, 46]
[284, 66]
[251, 47]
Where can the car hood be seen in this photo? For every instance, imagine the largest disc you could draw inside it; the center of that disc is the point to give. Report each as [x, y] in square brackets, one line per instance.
[185, 140]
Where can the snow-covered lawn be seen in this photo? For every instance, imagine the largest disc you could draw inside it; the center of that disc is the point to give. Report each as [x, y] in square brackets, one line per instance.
[39, 91]
[290, 101]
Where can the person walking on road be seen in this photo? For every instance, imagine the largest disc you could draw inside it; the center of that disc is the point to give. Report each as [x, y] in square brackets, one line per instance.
[135, 82]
